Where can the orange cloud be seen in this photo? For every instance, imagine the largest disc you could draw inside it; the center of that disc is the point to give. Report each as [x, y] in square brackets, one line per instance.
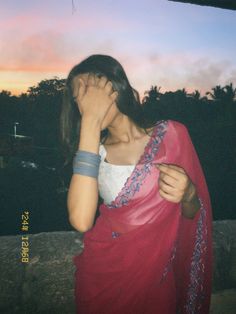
[46, 54]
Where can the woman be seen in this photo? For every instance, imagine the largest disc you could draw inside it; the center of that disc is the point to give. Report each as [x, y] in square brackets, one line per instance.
[150, 249]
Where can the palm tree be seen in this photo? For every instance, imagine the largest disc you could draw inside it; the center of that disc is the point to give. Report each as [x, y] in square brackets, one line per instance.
[195, 95]
[153, 93]
[230, 92]
[226, 93]
[182, 93]
[218, 93]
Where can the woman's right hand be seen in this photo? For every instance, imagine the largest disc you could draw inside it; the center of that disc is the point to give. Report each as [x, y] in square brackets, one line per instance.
[94, 97]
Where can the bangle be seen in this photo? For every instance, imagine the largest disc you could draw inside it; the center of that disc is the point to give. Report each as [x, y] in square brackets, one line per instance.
[86, 163]
[88, 157]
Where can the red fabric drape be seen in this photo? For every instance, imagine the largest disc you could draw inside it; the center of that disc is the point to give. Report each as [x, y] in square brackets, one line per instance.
[142, 256]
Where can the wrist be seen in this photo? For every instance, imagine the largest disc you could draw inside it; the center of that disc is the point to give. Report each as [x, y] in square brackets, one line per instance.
[191, 204]
[90, 122]
[191, 194]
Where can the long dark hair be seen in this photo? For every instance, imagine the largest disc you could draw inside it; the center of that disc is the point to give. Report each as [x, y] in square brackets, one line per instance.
[128, 101]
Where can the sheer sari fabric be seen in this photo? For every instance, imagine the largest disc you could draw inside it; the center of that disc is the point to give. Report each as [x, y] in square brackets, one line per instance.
[142, 256]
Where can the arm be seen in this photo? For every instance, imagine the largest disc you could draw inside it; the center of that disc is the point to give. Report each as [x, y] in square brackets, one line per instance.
[94, 102]
[83, 191]
[176, 186]
[182, 181]
[191, 204]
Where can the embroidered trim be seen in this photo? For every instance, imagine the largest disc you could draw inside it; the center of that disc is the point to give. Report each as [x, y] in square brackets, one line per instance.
[115, 234]
[139, 173]
[172, 256]
[195, 288]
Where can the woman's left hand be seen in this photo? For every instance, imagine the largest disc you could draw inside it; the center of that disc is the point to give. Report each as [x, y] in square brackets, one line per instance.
[175, 184]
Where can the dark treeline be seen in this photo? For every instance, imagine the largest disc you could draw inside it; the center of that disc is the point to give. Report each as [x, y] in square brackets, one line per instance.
[210, 120]
[37, 112]
[211, 124]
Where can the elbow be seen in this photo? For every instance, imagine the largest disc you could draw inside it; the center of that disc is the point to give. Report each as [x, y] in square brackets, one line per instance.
[189, 216]
[79, 225]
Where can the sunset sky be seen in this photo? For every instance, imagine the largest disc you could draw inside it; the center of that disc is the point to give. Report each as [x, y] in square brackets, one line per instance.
[163, 43]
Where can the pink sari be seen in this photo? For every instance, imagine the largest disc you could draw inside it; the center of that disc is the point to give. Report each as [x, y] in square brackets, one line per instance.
[142, 256]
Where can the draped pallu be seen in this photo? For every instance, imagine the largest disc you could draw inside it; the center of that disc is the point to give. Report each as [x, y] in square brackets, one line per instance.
[142, 255]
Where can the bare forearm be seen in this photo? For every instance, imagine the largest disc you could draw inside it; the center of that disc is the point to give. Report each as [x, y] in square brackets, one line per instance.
[83, 191]
[191, 205]
[89, 135]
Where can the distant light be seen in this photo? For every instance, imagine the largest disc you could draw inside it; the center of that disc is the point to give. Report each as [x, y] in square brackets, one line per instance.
[15, 124]
[28, 164]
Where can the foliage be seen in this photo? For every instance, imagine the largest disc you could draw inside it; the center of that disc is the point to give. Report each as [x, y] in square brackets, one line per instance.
[210, 121]
[50, 88]
[226, 93]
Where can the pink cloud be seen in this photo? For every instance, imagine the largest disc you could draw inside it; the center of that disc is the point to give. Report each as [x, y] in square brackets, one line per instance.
[36, 42]
[39, 52]
[177, 71]
[36, 21]
[49, 52]
[23, 21]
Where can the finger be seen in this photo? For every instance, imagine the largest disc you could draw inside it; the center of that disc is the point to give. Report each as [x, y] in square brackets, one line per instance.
[168, 179]
[180, 178]
[96, 79]
[82, 89]
[108, 87]
[171, 166]
[166, 196]
[174, 173]
[109, 109]
[102, 81]
[91, 79]
[114, 95]
[170, 172]
[167, 188]
[178, 168]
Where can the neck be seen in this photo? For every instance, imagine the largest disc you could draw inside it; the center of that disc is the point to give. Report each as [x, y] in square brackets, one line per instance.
[123, 130]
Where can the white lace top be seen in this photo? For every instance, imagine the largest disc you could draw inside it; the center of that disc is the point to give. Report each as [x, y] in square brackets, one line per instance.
[111, 178]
